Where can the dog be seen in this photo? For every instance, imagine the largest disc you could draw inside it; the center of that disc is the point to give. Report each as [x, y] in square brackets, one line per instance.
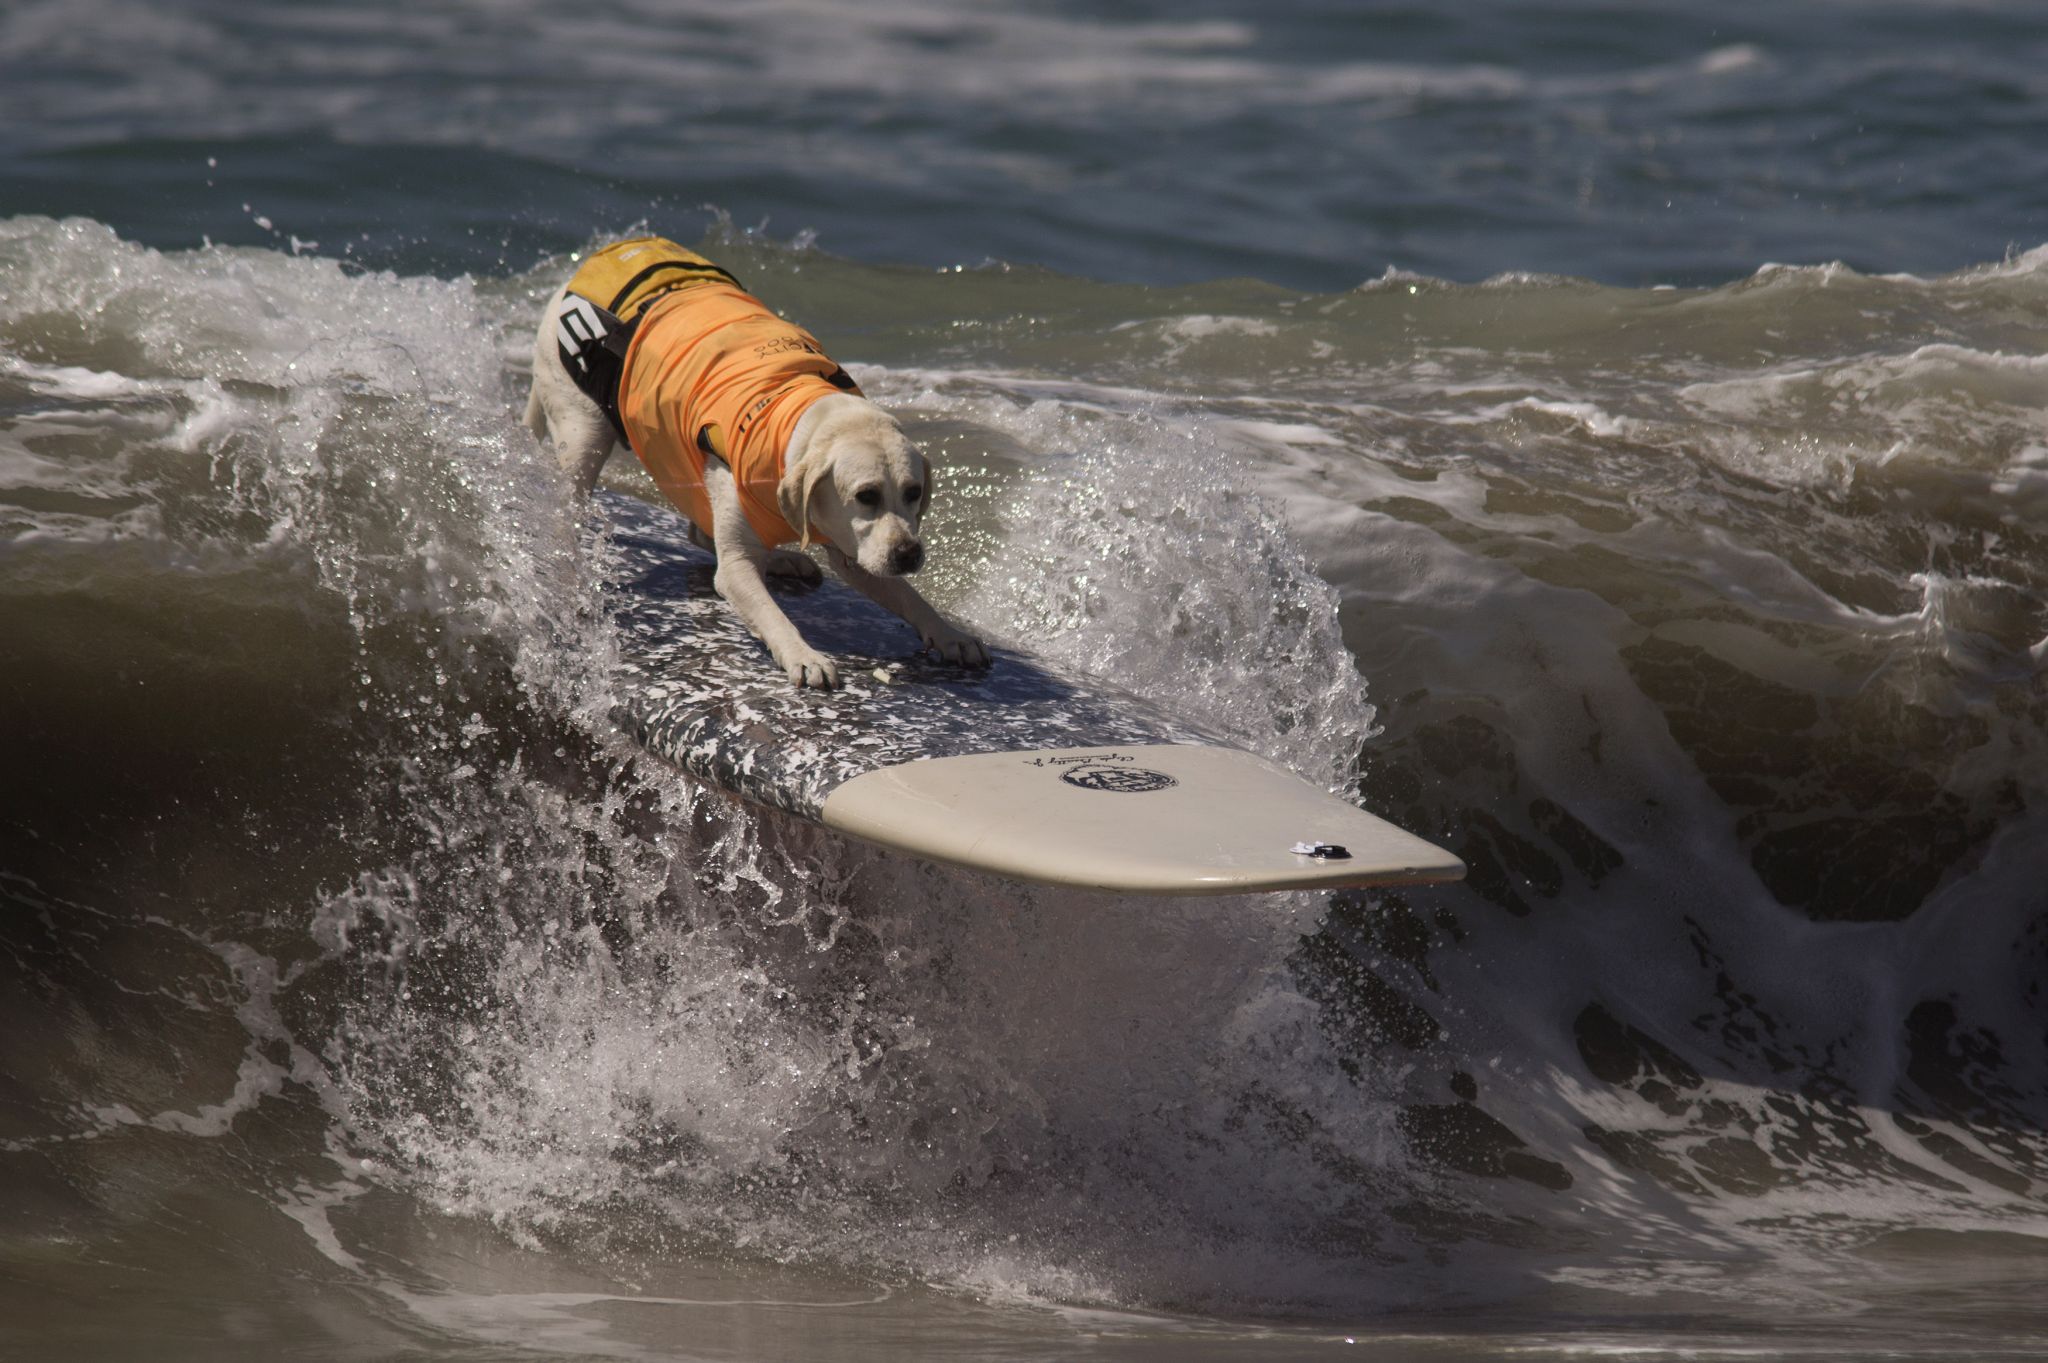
[747, 427]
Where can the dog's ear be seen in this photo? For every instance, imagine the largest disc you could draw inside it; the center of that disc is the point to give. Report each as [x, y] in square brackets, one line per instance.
[799, 481]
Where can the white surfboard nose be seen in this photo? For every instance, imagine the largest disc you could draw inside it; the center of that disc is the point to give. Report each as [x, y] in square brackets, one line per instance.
[1182, 819]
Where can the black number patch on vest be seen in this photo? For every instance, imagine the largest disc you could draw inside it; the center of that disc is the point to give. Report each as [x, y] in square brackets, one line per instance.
[580, 332]
[592, 343]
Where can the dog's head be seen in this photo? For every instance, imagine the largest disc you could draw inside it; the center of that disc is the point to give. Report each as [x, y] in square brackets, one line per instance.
[860, 482]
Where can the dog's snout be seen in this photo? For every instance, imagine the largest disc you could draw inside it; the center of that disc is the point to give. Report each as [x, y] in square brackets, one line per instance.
[907, 557]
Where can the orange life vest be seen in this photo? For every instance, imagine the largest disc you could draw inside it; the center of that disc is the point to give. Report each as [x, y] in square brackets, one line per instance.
[711, 370]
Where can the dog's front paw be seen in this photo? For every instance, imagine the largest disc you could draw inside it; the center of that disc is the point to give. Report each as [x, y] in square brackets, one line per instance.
[956, 647]
[805, 666]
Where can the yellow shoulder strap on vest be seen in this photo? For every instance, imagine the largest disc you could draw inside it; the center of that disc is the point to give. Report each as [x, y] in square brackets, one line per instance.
[626, 276]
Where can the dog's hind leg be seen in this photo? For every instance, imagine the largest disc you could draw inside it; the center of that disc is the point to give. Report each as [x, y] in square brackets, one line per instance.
[557, 412]
[583, 441]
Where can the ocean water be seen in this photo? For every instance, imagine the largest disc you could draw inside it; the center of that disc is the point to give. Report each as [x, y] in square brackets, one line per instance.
[1609, 440]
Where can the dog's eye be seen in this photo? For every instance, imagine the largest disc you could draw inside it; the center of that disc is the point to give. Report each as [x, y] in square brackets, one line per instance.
[911, 494]
[869, 496]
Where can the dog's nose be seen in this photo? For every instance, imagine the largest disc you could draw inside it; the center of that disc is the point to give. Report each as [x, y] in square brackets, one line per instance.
[907, 557]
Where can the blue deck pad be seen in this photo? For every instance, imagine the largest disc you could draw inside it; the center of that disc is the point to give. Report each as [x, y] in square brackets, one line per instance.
[698, 689]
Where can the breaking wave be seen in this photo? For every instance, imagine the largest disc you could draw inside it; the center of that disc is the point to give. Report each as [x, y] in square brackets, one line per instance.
[1705, 625]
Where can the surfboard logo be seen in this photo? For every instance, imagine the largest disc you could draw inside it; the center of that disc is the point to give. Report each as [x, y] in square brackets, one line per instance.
[1121, 780]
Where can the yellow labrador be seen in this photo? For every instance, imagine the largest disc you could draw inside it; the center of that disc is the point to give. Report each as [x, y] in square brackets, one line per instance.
[750, 429]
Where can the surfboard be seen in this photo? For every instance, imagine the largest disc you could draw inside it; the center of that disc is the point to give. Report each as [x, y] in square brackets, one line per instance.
[1024, 769]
